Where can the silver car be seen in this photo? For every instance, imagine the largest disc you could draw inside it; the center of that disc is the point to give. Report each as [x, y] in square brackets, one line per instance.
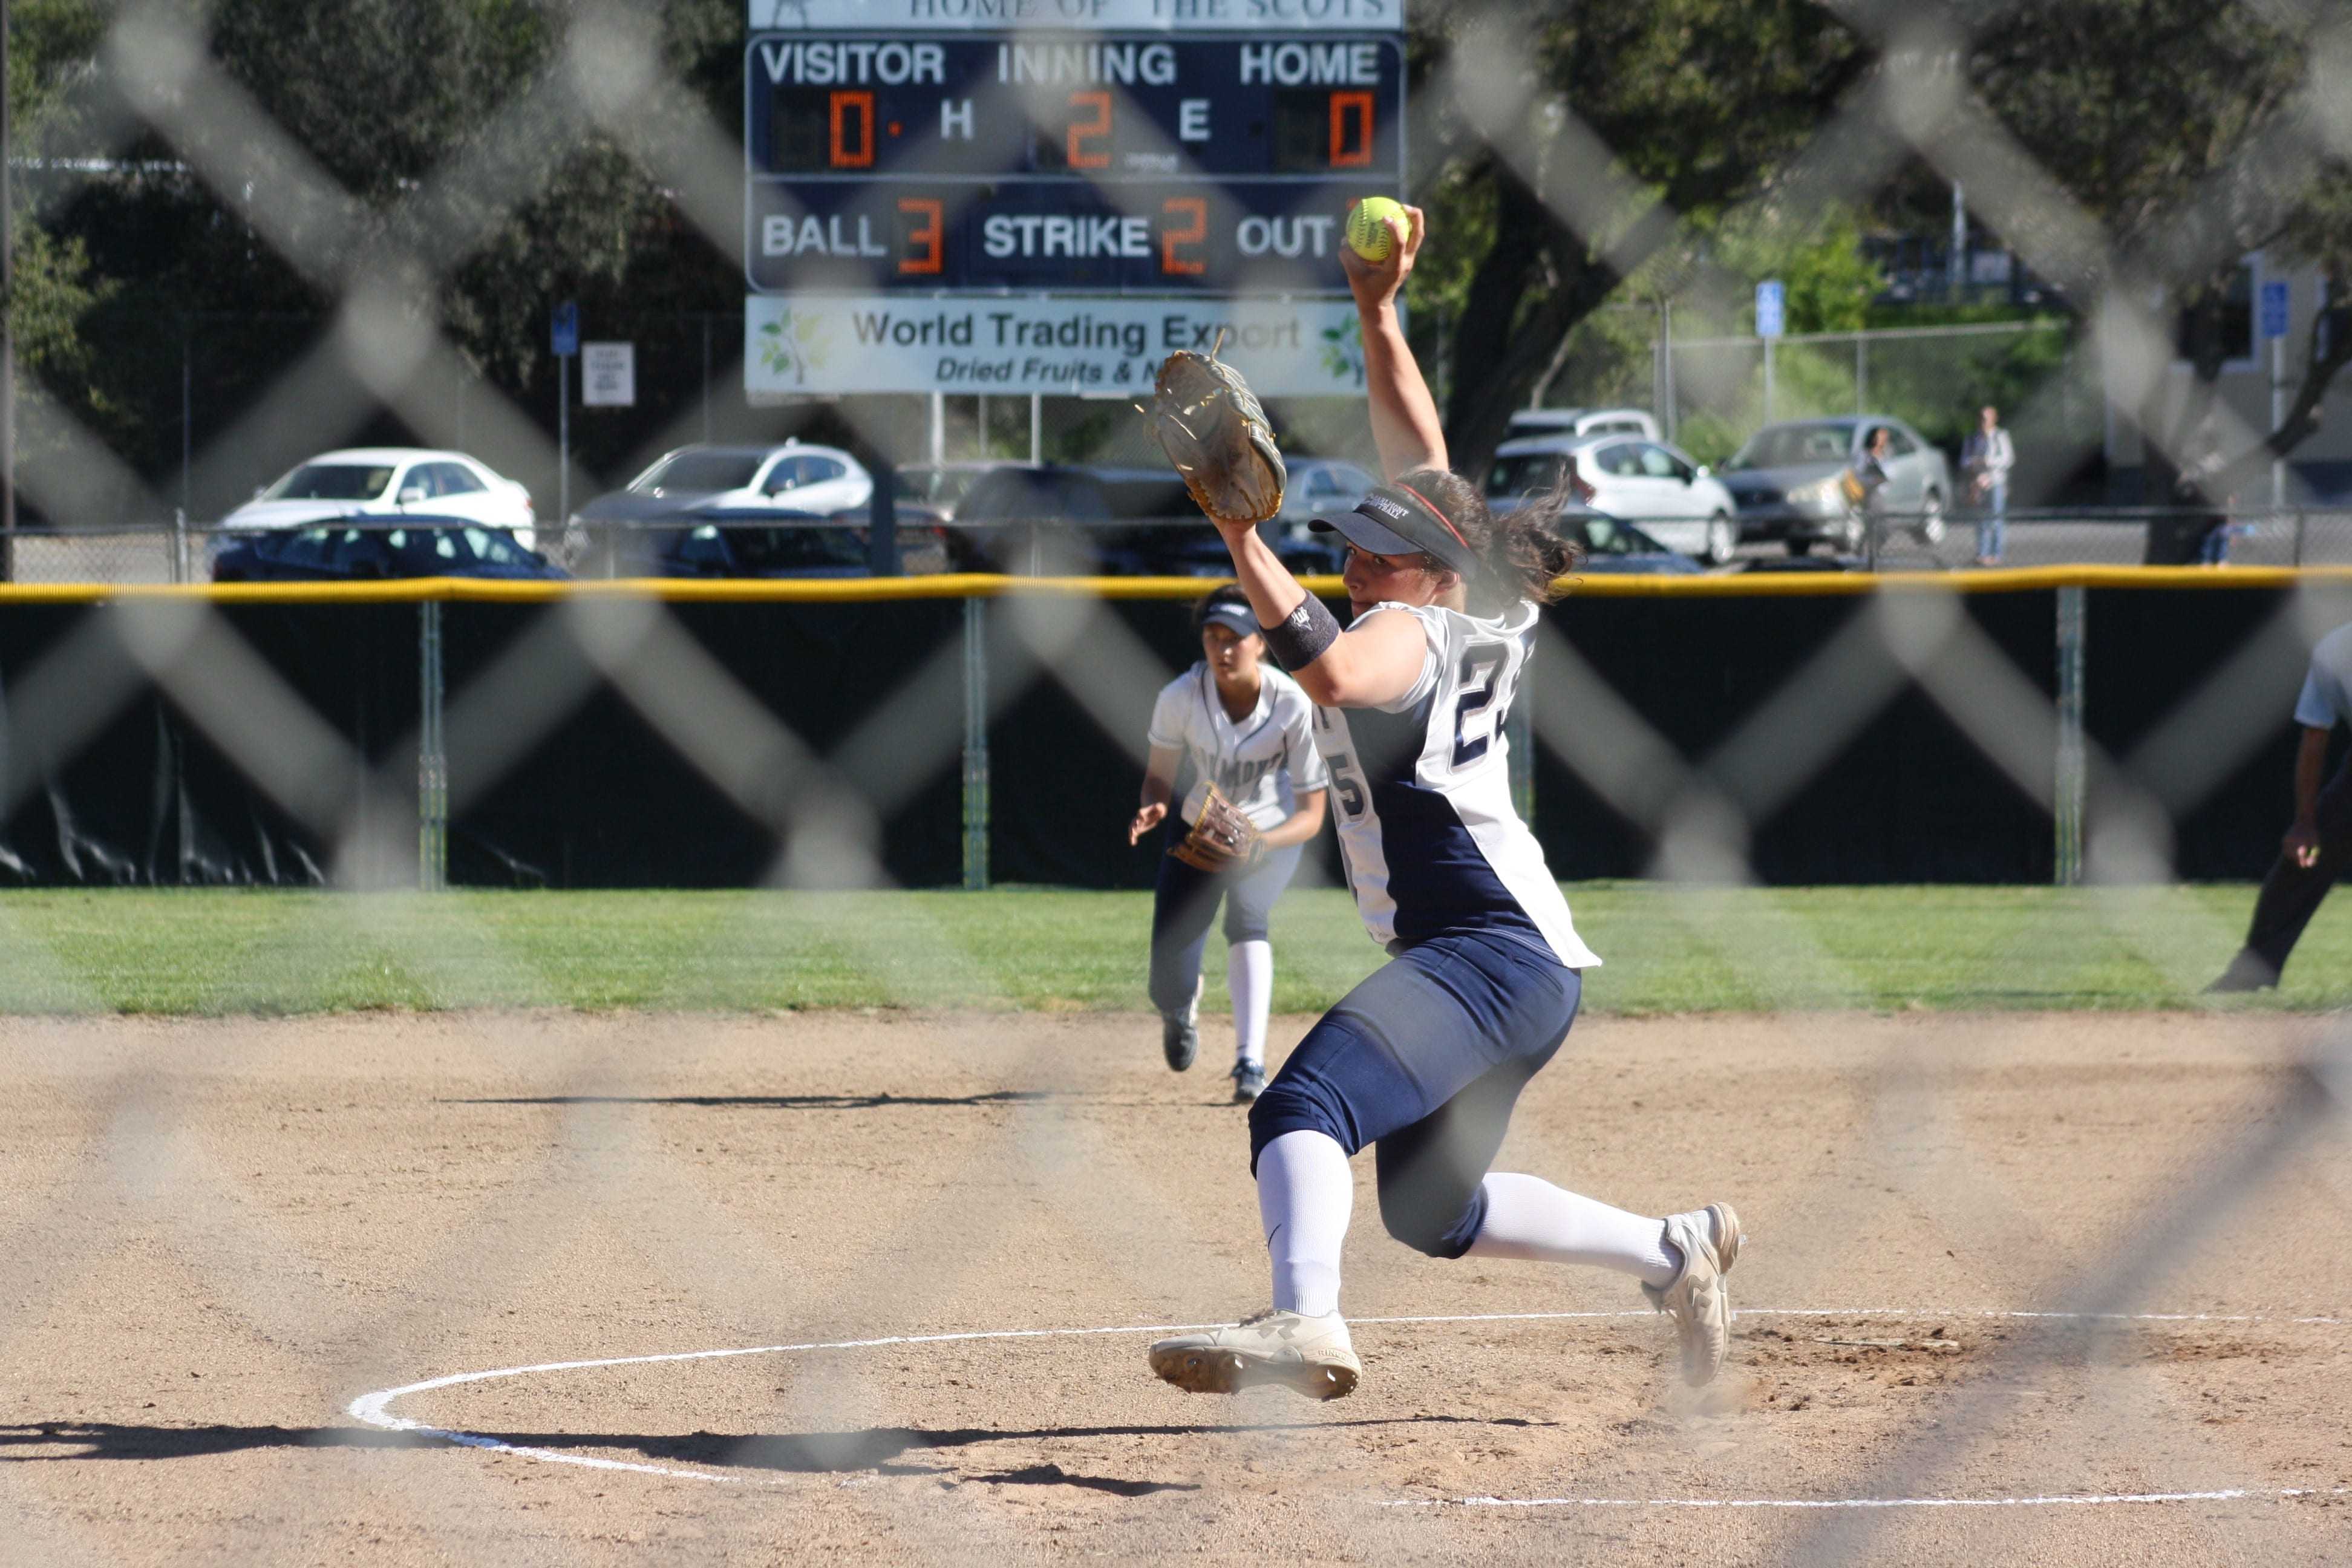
[1791, 483]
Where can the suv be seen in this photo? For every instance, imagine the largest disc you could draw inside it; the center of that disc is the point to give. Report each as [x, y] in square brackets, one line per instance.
[1790, 481]
[1582, 422]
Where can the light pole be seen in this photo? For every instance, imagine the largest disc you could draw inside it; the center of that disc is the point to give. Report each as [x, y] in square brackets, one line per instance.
[7, 329]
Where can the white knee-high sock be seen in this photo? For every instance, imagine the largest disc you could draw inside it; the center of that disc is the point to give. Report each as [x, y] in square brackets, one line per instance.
[1528, 1217]
[1249, 976]
[1305, 1195]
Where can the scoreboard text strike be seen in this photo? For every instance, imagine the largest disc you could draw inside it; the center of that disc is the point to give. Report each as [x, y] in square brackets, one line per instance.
[1064, 163]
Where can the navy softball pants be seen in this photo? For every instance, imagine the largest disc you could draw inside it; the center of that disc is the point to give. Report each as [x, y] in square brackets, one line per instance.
[1185, 901]
[1424, 1060]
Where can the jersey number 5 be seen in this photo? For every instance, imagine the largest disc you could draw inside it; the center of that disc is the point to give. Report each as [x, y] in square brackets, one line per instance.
[1477, 715]
[1347, 782]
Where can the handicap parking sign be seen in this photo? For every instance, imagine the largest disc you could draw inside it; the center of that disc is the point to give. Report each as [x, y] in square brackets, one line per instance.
[2275, 310]
[1770, 296]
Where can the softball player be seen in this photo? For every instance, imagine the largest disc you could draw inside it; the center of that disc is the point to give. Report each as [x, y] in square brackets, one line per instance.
[1242, 723]
[1425, 1058]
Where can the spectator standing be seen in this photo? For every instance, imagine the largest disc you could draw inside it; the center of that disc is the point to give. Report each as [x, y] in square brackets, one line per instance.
[1868, 487]
[1985, 458]
[2315, 848]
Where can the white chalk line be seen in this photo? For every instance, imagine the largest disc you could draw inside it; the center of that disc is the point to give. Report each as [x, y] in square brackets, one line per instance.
[2074, 1500]
[376, 1408]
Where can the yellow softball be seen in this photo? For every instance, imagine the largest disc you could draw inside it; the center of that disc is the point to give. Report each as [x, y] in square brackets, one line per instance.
[1369, 233]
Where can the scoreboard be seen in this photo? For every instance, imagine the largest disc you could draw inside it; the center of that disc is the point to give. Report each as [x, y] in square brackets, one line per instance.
[1149, 163]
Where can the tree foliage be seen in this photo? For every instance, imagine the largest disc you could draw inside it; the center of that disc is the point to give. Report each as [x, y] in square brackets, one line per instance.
[2189, 129]
[1699, 101]
[385, 100]
[2184, 127]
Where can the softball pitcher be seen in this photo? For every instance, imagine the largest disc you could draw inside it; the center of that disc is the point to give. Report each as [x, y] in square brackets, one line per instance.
[1242, 725]
[1426, 1059]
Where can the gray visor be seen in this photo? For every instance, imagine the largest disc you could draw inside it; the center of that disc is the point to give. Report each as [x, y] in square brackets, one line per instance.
[1395, 521]
[1239, 619]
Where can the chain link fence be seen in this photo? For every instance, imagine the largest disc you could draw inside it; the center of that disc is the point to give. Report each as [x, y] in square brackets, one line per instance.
[819, 797]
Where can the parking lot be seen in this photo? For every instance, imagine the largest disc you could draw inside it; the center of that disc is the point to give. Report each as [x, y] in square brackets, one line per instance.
[148, 555]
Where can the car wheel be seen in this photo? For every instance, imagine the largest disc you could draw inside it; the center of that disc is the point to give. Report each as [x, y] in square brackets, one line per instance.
[1930, 528]
[1722, 539]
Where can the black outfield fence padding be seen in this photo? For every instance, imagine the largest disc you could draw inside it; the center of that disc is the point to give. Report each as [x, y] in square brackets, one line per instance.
[856, 717]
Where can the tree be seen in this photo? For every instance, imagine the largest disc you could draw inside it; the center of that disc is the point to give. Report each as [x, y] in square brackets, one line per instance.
[380, 97]
[2189, 130]
[1699, 101]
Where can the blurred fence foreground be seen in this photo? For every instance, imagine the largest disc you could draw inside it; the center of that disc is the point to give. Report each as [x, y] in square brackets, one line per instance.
[2116, 728]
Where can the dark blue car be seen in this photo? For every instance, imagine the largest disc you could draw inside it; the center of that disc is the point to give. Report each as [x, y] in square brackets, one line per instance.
[767, 542]
[358, 551]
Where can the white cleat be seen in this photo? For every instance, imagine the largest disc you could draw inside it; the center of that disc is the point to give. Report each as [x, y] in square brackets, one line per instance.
[1698, 1302]
[1309, 1356]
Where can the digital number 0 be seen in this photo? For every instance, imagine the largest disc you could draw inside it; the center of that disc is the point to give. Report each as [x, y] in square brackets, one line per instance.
[845, 156]
[1356, 154]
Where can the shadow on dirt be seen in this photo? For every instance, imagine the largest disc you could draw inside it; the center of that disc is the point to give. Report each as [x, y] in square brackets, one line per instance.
[112, 1440]
[878, 1450]
[780, 1102]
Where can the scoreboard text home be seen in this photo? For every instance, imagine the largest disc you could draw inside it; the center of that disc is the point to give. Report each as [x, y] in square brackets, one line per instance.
[1064, 163]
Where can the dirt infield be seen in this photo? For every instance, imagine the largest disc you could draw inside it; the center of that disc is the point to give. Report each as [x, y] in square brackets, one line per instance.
[218, 1236]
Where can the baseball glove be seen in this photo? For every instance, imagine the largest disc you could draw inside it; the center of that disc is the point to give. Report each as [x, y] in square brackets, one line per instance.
[1214, 429]
[1222, 840]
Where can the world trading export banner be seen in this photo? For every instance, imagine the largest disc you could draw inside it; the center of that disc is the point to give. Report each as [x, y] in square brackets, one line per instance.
[811, 344]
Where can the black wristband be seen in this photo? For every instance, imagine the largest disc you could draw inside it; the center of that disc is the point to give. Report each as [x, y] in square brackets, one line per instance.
[1303, 634]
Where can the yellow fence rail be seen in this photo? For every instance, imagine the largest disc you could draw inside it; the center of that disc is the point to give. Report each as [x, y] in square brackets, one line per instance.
[977, 586]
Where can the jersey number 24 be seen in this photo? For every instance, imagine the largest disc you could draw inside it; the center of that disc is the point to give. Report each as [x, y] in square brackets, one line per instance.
[1484, 705]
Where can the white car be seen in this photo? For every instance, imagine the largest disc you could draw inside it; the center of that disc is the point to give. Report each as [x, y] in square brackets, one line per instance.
[1675, 502]
[387, 481]
[1528, 422]
[819, 481]
[1323, 486]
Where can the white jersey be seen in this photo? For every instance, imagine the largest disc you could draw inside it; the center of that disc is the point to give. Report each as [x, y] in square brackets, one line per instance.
[1262, 760]
[1422, 791]
[2324, 703]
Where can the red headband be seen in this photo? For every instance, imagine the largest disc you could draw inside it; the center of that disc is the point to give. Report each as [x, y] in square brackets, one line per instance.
[1435, 512]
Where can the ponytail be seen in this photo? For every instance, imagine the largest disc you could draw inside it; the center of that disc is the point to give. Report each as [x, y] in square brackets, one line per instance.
[1523, 556]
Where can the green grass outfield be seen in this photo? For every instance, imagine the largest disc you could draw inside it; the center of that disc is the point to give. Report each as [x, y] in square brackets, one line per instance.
[1666, 949]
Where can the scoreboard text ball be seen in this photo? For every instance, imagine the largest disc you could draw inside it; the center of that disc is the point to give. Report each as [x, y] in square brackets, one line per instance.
[1158, 165]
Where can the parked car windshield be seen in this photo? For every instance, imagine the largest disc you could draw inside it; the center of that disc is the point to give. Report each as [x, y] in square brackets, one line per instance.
[1025, 495]
[789, 549]
[942, 487]
[332, 481]
[1790, 446]
[1528, 473]
[698, 471]
[1606, 536]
